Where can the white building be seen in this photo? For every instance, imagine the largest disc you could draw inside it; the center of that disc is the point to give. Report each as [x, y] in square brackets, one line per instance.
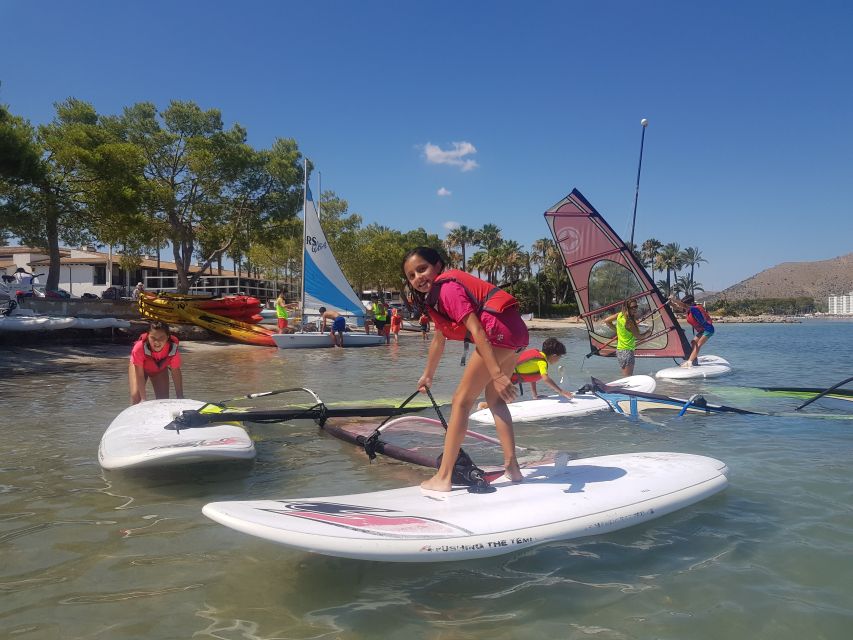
[841, 305]
[85, 271]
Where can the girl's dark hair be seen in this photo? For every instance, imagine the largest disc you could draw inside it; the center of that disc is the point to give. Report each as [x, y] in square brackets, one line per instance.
[434, 257]
[159, 324]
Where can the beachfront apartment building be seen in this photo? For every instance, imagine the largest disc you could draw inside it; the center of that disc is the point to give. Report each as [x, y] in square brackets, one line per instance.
[841, 304]
[88, 271]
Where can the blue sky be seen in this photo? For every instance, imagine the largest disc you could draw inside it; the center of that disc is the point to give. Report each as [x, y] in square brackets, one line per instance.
[502, 107]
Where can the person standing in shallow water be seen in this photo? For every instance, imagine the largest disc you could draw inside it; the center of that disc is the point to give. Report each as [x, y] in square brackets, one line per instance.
[455, 302]
[152, 357]
[627, 329]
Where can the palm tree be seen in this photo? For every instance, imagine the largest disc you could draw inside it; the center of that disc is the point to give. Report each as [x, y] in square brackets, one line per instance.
[649, 251]
[513, 260]
[477, 262]
[489, 237]
[671, 260]
[686, 284]
[462, 237]
[691, 257]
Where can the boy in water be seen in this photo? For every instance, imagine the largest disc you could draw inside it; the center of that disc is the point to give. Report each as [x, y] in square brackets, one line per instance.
[532, 366]
[339, 325]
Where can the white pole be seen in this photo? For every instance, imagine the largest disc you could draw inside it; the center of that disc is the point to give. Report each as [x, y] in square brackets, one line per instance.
[644, 123]
[304, 231]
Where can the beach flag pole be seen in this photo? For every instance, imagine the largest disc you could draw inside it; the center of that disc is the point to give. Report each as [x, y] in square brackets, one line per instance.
[645, 123]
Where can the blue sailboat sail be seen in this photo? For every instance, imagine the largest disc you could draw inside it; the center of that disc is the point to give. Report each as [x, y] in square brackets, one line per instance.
[324, 283]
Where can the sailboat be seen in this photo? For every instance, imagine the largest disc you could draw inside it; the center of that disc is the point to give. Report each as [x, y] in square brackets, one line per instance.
[323, 285]
[604, 273]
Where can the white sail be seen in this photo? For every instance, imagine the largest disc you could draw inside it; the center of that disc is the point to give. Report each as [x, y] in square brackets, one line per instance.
[324, 283]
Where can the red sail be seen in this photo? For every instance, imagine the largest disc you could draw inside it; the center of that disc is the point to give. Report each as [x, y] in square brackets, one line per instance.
[604, 273]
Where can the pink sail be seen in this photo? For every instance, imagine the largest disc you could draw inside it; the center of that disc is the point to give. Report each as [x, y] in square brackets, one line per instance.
[604, 274]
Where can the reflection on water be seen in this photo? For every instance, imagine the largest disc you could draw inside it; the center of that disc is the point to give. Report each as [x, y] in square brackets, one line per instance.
[94, 554]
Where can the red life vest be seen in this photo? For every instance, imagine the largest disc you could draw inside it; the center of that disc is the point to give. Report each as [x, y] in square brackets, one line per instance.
[527, 356]
[705, 317]
[483, 295]
[146, 349]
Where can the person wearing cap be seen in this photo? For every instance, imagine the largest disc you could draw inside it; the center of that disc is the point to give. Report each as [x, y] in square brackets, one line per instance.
[697, 318]
[137, 291]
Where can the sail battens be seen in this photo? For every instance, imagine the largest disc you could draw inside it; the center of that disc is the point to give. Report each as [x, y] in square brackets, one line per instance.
[604, 273]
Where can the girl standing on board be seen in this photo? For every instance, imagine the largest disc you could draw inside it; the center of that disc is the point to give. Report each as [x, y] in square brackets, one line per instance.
[466, 308]
[152, 356]
[700, 320]
[627, 331]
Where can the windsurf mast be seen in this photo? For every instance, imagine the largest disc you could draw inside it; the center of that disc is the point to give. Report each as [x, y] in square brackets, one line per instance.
[604, 273]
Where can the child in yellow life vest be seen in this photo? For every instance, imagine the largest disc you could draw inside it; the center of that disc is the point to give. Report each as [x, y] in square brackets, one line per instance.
[532, 366]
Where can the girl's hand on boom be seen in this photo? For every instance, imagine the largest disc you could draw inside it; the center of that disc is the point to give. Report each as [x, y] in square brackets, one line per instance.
[424, 383]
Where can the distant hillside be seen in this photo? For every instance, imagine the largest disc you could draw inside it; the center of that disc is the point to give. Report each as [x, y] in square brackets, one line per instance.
[817, 280]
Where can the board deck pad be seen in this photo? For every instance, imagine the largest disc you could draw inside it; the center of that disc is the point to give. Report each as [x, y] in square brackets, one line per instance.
[708, 367]
[137, 438]
[555, 502]
[555, 406]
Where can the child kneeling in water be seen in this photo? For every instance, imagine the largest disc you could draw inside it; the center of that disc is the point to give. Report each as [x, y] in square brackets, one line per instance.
[152, 356]
[464, 307]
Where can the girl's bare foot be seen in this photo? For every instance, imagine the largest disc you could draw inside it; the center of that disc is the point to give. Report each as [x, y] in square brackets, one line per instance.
[436, 484]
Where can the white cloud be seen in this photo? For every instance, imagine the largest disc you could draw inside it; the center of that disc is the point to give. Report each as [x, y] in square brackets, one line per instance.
[444, 192]
[450, 225]
[454, 157]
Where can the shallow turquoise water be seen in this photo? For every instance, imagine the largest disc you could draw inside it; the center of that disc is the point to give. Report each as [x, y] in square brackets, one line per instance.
[89, 554]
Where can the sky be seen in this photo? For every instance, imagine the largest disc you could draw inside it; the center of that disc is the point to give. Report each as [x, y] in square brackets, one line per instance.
[435, 113]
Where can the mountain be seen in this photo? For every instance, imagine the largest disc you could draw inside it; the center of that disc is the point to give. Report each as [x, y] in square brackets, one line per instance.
[816, 280]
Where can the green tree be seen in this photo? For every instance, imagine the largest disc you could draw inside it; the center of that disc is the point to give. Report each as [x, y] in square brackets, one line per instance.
[84, 186]
[670, 259]
[692, 257]
[205, 182]
[649, 252]
[462, 237]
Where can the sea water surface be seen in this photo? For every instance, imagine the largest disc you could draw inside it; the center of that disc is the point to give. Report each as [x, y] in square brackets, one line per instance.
[86, 553]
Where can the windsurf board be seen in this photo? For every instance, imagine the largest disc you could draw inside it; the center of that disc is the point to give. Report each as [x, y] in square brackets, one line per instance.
[557, 406]
[708, 367]
[137, 438]
[555, 502]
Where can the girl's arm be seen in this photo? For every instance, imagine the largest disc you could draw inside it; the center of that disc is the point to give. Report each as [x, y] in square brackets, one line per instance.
[139, 373]
[436, 349]
[609, 320]
[505, 388]
[178, 379]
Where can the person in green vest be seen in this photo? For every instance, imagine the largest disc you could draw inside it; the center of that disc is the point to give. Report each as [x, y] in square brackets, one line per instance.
[627, 329]
[380, 318]
[281, 312]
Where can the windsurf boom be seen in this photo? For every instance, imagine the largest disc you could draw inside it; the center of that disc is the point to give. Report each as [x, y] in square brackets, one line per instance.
[604, 274]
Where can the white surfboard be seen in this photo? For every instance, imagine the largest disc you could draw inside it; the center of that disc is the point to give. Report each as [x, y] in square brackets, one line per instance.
[136, 439]
[585, 497]
[557, 406]
[708, 367]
